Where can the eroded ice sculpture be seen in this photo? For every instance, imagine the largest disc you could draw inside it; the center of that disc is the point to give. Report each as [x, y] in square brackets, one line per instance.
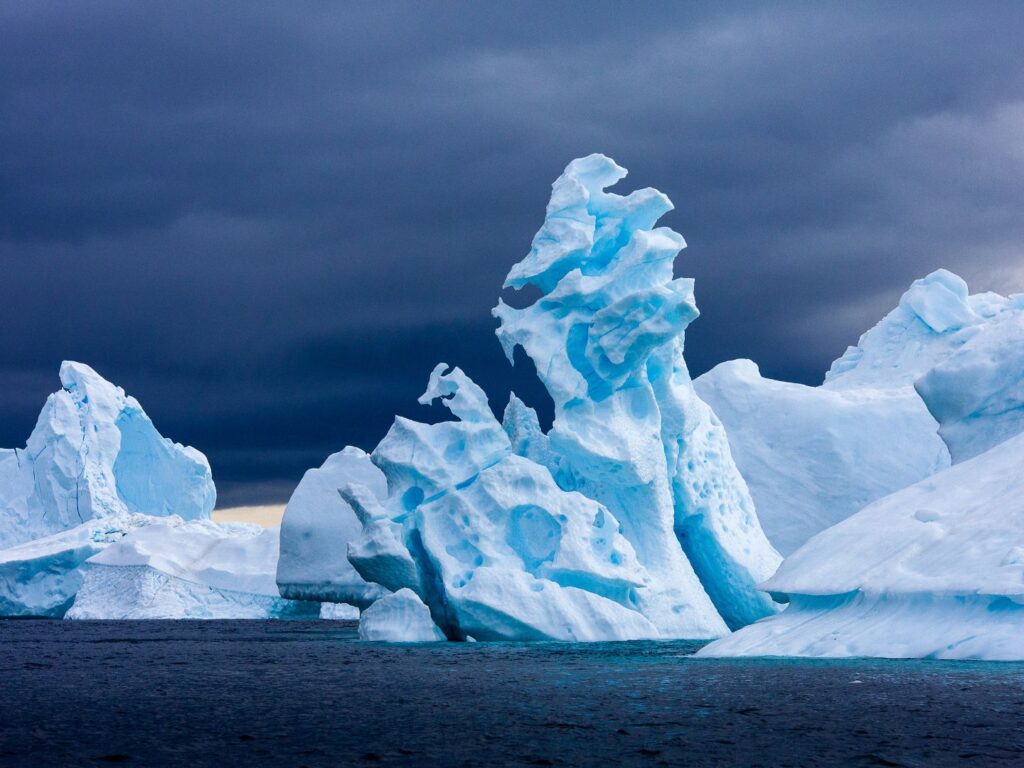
[606, 337]
[934, 570]
[93, 469]
[628, 519]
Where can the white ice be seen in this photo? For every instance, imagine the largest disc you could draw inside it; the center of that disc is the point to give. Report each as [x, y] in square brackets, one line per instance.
[174, 569]
[399, 618]
[934, 570]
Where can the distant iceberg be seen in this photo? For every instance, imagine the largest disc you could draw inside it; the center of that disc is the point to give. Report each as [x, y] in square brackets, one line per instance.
[93, 469]
[94, 454]
[101, 517]
[627, 520]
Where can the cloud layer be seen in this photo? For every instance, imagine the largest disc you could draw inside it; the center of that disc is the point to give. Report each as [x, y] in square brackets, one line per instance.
[268, 221]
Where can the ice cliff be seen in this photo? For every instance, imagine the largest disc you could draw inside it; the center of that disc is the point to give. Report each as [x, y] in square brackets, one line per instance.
[628, 519]
[935, 570]
[939, 376]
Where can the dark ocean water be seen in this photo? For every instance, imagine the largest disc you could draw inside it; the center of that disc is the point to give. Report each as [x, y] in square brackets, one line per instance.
[245, 693]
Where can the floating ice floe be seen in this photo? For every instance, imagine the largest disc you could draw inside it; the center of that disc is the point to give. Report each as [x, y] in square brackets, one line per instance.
[400, 617]
[172, 569]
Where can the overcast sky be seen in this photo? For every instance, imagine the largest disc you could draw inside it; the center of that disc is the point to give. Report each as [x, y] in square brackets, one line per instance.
[268, 221]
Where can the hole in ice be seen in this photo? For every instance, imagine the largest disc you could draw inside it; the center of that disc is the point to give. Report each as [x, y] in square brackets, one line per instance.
[522, 298]
[412, 498]
[455, 450]
[534, 534]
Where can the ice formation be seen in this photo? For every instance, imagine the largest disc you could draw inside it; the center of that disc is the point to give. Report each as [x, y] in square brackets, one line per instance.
[94, 453]
[101, 515]
[627, 520]
[172, 569]
[939, 376]
[630, 432]
[93, 469]
[316, 529]
[934, 570]
[41, 577]
[339, 612]
[962, 353]
[813, 456]
[399, 618]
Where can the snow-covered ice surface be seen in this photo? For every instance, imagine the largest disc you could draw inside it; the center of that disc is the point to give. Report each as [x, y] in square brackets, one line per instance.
[400, 617]
[627, 520]
[934, 570]
[174, 569]
[317, 527]
[813, 456]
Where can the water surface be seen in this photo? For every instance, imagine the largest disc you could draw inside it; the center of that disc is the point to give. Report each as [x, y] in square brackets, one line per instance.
[248, 693]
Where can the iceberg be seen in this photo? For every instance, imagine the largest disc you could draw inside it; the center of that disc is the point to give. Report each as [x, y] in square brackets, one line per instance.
[606, 337]
[627, 520]
[173, 569]
[813, 456]
[938, 380]
[94, 453]
[934, 570]
[94, 469]
[316, 529]
[399, 618]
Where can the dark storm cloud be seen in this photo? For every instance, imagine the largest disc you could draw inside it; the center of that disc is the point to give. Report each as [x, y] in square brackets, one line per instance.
[269, 221]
